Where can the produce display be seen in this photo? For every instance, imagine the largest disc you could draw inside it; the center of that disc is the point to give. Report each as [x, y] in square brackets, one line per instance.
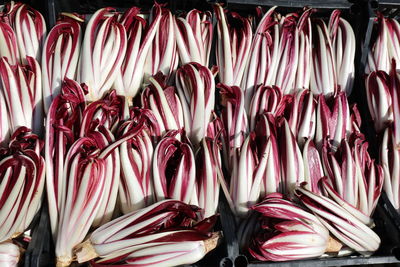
[382, 84]
[133, 124]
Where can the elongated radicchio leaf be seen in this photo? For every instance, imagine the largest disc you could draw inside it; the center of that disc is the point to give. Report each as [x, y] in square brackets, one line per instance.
[289, 54]
[378, 55]
[335, 120]
[291, 159]
[266, 99]
[22, 89]
[164, 102]
[136, 187]
[390, 160]
[108, 111]
[208, 168]
[341, 223]
[234, 36]
[60, 56]
[85, 175]
[9, 47]
[196, 90]
[174, 170]
[343, 50]
[297, 235]
[160, 232]
[63, 123]
[303, 74]
[301, 115]
[103, 51]
[379, 99]
[163, 55]
[234, 118]
[140, 37]
[22, 182]
[9, 254]
[29, 27]
[323, 74]
[194, 37]
[263, 58]
[353, 178]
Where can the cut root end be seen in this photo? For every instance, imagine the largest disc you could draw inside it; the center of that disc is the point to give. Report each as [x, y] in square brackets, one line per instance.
[212, 242]
[85, 252]
[63, 261]
[334, 245]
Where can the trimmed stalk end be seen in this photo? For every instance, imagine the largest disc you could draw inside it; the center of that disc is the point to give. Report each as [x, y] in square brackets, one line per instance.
[334, 245]
[212, 242]
[63, 261]
[85, 252]
[72, 16]
[397, 146]
[15, 235]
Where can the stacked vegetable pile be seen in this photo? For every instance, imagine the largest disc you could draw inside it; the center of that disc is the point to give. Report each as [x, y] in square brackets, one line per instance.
[105, 155]
[138, 135]
[290, 130]
[382, 89]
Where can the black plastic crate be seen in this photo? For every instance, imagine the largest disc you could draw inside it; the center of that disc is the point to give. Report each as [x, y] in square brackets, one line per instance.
[40, 251]
[361, 15]
[294, 3]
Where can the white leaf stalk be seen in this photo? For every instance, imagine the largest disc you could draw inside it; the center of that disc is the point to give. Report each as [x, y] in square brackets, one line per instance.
[22, 183]
[323, 73]
[9, 254]
[289, 54]
[342, 224]
[390, 160]
[343, 49]
[208, 170]
[102, 53]
[61, 133]
[163, 55]
[196, 90]
[301, 232]
[8, 41]
[60, 56]
[264, 56]
[379, 99]
[194, 37]
[30, 30]
[135, 240]
[140, 38]
[136, 188]
[234, 36]
[163, 100]
[235, 121]
[174, 170]
[303, 74]
[21, 86]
